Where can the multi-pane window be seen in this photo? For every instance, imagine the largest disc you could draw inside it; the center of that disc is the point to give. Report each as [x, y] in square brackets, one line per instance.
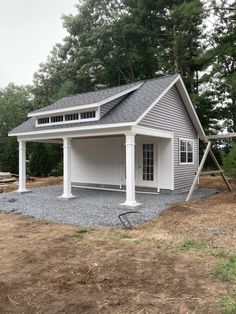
[87, 115]
[148, 162]
[43, 120]
[76, 117]
[56, 119]
[186, 151]
[71, 117]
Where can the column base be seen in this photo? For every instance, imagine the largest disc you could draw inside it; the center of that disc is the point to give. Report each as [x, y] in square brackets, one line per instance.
[67, 197]
[129, 204]
[23, 191]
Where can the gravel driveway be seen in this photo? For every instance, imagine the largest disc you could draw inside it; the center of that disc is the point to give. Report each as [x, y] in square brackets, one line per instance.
[91, 207]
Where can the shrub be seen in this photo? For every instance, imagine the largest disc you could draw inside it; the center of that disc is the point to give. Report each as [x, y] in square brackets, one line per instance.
[229, 161]
[58, 170]
[40, 164]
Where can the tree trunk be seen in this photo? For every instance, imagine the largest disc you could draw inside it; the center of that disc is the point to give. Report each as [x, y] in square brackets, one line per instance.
[175, 50]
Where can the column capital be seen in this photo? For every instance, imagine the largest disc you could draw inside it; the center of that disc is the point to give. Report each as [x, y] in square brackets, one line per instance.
[67, 142]
[129, 139]
[22, 143]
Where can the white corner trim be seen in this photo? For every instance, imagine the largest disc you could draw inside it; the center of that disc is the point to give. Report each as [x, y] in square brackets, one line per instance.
[82, 107]
[173, 164]
[152, 132]
[157, 99]
[74, 129]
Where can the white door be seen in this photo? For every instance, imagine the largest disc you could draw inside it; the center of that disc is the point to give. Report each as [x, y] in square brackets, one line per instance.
[146, 165]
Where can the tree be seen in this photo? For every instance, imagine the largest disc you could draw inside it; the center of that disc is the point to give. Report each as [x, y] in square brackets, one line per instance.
[229, 161]
[15, 103]
[39, 160]
[223, 50]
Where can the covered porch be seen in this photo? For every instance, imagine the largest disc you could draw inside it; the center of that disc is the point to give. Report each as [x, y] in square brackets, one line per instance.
[125, 158]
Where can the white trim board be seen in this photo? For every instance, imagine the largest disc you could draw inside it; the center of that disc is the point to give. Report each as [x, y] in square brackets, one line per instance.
[74, 129]
[140, 130]
[157, 100]
[187, 102]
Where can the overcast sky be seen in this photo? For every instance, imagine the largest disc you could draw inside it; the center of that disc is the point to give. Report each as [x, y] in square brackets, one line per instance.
[28, 30]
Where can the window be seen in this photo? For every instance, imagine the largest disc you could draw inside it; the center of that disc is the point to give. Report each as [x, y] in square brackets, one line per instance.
[43, 120]
[56, 119]
[148, 162]
[88, 115]
[68, 118]
[186, 151]
[71, 117]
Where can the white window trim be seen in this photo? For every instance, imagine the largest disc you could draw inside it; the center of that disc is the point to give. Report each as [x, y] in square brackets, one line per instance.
[185, 140]
[97, 116]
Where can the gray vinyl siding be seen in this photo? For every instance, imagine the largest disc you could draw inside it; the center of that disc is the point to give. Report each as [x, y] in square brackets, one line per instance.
[170, 114]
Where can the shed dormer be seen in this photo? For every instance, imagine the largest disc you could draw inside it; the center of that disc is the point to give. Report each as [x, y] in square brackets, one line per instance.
[85, 107]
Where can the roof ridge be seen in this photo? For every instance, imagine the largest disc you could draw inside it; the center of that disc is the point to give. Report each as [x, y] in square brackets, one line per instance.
[122, 85]
[103, 89]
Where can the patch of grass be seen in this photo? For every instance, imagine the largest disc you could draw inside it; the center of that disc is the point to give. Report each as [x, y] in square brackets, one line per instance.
[220, 252]
[191, 244]
[226, 270]
[130, 254]
[79, 234]
[119, 236]
[228, 303]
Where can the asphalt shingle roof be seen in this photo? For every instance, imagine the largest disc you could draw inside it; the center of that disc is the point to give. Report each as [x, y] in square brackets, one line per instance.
[128, 109]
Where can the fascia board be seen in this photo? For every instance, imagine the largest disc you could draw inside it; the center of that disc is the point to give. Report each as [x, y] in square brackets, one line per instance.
[190, 108]
[73, 129]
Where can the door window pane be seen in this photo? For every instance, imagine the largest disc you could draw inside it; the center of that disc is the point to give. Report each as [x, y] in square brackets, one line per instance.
[148, 162]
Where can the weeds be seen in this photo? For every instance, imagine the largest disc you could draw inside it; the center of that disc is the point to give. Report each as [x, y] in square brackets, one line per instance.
[119, 236]
[228, 303]
[79, 235]
[191, 244]
[226, 270]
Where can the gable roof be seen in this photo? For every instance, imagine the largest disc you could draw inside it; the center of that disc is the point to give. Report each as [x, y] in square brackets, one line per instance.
[129, 108]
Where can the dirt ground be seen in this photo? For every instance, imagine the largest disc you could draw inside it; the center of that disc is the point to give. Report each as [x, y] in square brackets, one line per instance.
[163, 266]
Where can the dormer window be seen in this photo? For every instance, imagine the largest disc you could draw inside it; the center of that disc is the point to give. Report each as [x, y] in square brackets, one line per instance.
[88, 115]
[56, 119]
[43, 120]
[84, 116]
[71, 117]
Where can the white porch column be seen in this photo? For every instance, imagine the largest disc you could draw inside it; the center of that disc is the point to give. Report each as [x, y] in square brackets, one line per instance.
[67, 168]
[22, 167]
[130, 171]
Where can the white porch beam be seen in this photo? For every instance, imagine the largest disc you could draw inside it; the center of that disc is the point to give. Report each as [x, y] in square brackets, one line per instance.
[67, 169]
[130, 171]
[22, 167]
[141, 130]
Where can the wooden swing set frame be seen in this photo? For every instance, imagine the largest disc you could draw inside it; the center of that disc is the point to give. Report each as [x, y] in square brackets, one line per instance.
[208, 142]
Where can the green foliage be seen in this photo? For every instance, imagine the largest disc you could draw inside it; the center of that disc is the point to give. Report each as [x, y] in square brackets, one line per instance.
[15, 102]
[40, 163]
[192, 244]
[226, 270]
[222, 77]
[228, 303]
[229, 161]
[79, 235]
[58, 170]
[9, 158]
